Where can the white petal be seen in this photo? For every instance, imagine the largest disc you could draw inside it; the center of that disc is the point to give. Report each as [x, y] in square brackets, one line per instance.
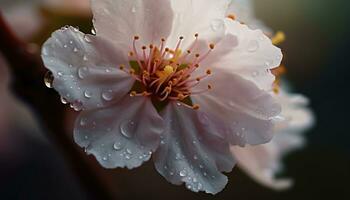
[191, 153]
[122, 135]
[244, 12]
[246, 52]
[119, 21]
[240, 110]
[261, 163]
[204, 17]
[85, 68]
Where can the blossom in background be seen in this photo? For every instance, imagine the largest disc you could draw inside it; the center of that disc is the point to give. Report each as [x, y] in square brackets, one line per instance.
[161, 78]
[263, 162]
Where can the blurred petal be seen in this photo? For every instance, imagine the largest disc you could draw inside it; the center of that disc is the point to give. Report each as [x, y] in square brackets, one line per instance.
[119, 21]
[261, 163]
[191, 153]
[122, 135]
[85, 68]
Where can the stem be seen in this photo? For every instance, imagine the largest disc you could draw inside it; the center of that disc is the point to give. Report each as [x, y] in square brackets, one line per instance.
[28, 72]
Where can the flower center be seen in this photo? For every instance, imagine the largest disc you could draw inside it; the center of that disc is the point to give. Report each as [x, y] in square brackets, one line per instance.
[166, 74]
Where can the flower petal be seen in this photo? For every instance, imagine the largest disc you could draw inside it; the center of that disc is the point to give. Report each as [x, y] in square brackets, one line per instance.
[240, 110]
[204, 17]
[119, 21]
[190, 153]
[244, 12]
[261, 162]
[85, 68]
[246, 52]
[122, 135]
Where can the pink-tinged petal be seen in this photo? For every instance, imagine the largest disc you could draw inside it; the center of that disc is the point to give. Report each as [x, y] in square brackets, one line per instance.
[119, 21]
[249, 53]
[86, 69]
[122, 135]
[204, 17]
[191, 152]
[240, 110]
[261, 163]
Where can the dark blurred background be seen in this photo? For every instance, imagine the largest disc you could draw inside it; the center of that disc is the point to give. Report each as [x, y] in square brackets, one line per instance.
[318, 66]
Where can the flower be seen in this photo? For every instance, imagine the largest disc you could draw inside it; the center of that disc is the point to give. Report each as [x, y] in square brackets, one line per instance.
[162, 77]
[262, 162]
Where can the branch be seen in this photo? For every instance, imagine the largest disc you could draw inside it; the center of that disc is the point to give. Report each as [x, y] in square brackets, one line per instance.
[28, 72]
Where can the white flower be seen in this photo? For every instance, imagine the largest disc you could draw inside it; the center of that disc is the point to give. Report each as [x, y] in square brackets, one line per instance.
[171, 77]
[262, 162]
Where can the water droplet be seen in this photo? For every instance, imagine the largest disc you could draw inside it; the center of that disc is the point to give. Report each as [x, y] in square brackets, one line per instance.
[127, 157]
[77, 105]
[83, 122]
[195, 180]
[83, 72]
[205, 174]
[118, 146]
[127, 128]
[217, 25]
[183, 173]
[162, 142]
[85, 58]
[133, 9]
[255, 74]
[65, 46]
[93, 31]
[60, 73]
[71, 42]
[201, 166]
[48, 79]
[87, 38]
[75, 50]
[107, 95]
[128, 151]
[253, 46]
[88, 94]
[195, 157]
[104, 158]
[86, 137]
[200, 186]
[70, 65]
[63, 100]
[76, 29]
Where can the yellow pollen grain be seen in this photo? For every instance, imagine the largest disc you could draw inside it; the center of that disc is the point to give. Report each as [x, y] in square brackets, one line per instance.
[133, 93]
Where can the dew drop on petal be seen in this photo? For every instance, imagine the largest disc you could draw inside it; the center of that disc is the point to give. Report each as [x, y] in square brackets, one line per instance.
[83, 72]
[253, 46]
[217, 25]
[93, 31]
[87, 94]
[85, 58]
[64, 100]
[117, 146]
[83, 122]
[75, 50]
[87, 38]
[48, 79]
[107, 95]
[182, 173]
[127, 128]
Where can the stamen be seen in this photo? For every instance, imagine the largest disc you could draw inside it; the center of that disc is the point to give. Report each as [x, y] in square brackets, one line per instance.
[231, 16]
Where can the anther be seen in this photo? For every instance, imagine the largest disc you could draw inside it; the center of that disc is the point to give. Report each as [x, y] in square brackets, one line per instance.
[208, 71]
[181, 38]
[131, 53]
[151, 46]
[188, 51]
[136, 37]
[132, 71]
[210, 87]
[211, 46]
[167, 49]
[198, 79]
[195, 107]
[133, 93]
[197, 55]
[144, 47]
[163, 40]
[122, 67]
[196, 35]
[231, 16]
